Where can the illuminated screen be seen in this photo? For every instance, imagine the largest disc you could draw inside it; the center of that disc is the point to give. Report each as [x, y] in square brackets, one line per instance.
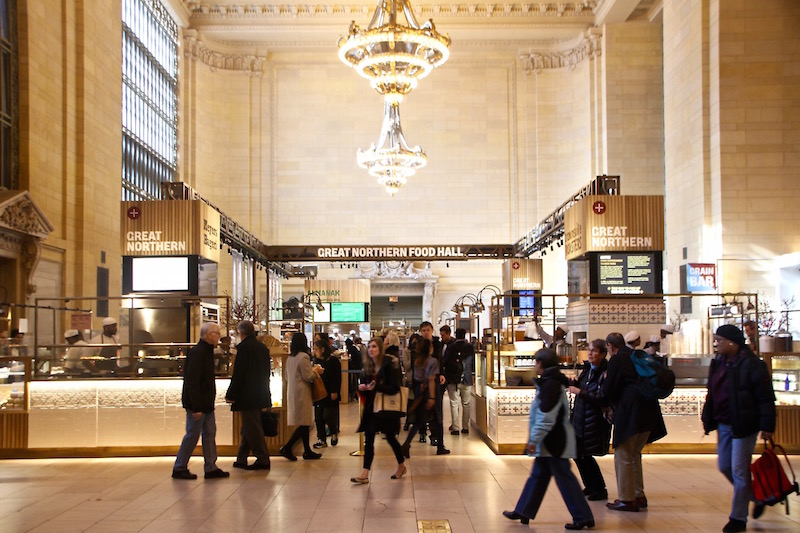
[349, 312]
[324, 315]
[158, 274]
[627, 273]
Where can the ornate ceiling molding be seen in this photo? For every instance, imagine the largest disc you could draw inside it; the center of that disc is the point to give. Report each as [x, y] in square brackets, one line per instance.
[588, 47]
[196, 50]
[216, 10]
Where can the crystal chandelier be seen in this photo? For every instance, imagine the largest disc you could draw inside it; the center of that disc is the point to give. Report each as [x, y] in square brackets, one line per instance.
[392, 161]
[393, 55]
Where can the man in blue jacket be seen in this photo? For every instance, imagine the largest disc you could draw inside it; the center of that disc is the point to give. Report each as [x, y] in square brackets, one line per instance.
[199, 392]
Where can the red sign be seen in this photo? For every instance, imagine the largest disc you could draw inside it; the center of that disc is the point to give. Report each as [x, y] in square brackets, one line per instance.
[599, 207]
[515, 265]
[134, 212]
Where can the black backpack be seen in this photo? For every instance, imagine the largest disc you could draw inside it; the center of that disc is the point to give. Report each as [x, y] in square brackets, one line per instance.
[454, 367]
[655, 382]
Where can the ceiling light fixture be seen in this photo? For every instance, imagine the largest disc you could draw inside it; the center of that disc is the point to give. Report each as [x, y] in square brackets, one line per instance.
[393, 52]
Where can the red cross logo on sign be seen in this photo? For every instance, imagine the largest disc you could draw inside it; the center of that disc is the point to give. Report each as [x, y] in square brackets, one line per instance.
[599, 208]
[133, 213]
[515, 265]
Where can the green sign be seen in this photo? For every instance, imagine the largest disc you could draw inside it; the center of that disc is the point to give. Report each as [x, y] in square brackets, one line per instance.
[349, 312]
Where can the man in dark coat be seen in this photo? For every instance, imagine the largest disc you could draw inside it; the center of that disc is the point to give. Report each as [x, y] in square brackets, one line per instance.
[199, 392]
[249, 394]
[637, 422]
[739, 404]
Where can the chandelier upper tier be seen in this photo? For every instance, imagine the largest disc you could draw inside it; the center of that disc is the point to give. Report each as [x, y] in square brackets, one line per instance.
[391, 55]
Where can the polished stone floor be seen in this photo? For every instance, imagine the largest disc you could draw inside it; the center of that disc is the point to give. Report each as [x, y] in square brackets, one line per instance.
[469, 488]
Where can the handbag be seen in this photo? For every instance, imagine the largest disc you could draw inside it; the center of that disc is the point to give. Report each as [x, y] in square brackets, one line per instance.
[770, 483]
[395, 404]
[269, 421]
[318, 391]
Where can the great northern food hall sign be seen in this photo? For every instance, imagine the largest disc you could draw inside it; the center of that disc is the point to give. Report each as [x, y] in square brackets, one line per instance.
[431, 252]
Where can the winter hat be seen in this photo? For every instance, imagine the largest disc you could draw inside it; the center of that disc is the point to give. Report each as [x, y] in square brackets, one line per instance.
[732, 333]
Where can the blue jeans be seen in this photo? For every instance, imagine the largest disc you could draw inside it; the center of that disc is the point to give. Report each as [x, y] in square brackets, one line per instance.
[733, 459]
[205, 426]
[536, 486]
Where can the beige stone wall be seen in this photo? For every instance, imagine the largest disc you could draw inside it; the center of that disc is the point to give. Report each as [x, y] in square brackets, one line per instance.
[731, 130]
[758, 133]
[634, 132]
[70, 131]
[686, 144]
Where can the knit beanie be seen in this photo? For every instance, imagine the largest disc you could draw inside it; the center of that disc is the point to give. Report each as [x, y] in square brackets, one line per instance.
[732, 333]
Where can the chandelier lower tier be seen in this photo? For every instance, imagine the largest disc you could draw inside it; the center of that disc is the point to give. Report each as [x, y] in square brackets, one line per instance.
[391, 160]
[393, 56]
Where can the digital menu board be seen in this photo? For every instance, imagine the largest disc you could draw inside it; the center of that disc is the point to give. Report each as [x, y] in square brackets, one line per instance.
[522, 303]
[626, 273]
[349, 312]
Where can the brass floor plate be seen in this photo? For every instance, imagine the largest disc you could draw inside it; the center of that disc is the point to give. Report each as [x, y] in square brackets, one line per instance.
[433, 526]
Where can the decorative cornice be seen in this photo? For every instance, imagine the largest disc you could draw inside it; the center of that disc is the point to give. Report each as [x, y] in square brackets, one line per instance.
[588, 47]
[196, 50]
[213, 10]
[18, 212]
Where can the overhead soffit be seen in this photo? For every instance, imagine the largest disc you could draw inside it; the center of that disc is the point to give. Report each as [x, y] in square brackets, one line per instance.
[265, 25]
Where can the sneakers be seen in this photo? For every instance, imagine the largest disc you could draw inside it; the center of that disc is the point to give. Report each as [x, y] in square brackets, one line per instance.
[334, 440]
[454, 432]
[320, 444]
[215, 474]
[311, 455]
[183, 474]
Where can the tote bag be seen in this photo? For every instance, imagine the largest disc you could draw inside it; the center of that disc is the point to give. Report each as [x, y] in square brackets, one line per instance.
[395, 404]
[318, 391]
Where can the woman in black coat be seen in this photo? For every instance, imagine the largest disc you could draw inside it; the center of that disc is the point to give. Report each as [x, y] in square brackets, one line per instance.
[326, 411]
[592, 430]
[381, 374]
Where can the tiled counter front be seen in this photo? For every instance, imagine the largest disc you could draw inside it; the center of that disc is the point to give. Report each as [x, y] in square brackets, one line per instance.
[508, 409]
[98, 413]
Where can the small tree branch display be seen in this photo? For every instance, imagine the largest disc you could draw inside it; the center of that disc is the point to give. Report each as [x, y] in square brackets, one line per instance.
[246, 308]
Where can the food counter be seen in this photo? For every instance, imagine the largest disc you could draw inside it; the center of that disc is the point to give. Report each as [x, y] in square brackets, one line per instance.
[501, 411]
[97, 417]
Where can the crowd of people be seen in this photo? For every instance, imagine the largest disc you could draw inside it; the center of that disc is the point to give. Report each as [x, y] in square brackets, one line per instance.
[569, 419]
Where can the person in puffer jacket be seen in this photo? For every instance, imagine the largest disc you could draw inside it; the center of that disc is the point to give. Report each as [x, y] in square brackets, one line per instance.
[552, 442]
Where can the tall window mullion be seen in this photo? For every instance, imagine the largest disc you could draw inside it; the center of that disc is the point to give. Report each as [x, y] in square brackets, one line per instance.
[150, 93]
[9, 96]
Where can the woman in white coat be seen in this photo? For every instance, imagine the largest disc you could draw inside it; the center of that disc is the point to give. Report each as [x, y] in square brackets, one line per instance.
[298, 374]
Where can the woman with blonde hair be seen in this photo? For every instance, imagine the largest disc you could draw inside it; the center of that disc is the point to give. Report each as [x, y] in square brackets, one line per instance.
[381, 373]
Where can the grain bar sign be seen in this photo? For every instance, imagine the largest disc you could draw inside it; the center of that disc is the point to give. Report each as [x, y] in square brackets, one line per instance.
[614, 224]
[170, 228]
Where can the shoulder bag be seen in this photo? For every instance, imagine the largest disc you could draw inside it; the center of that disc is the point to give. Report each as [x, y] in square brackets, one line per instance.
[394, 404]
[318, 391]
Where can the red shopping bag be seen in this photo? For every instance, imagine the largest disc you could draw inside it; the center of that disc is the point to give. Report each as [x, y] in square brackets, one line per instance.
[770, 483]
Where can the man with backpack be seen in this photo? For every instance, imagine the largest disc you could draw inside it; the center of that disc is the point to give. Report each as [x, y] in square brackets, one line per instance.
[739, 404]
[458, 361]
[637, 421]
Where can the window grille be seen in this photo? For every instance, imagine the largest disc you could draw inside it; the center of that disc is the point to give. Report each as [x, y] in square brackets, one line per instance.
[9, 96]
[149, 99]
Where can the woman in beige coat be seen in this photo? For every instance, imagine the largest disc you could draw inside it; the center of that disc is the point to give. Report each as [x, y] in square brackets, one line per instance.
[298, 374]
